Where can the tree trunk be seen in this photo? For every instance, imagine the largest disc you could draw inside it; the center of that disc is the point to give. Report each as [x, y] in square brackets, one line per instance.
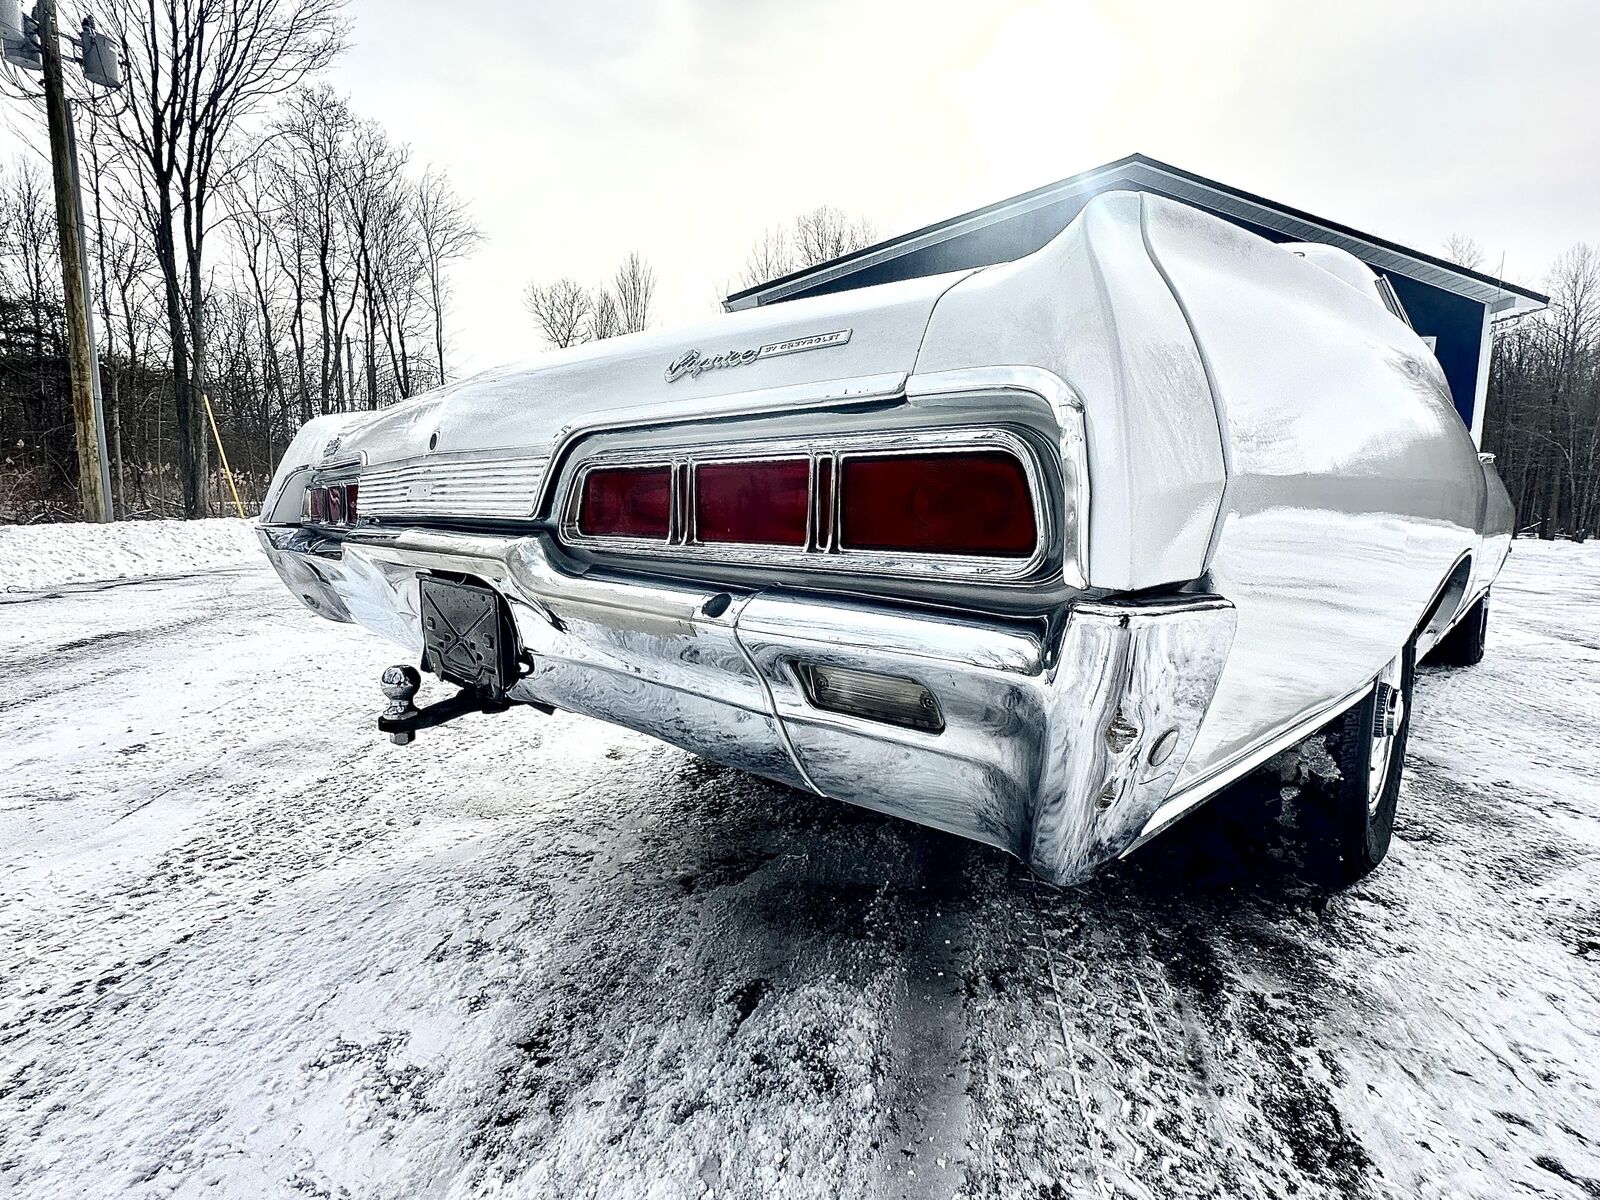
[119, 487]
[349, 367]
[166, 255]
[197, 386]
[372, 357]
[438, 322]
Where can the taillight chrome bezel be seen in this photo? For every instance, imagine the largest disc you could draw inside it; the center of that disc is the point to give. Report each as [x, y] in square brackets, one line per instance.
[822, 551]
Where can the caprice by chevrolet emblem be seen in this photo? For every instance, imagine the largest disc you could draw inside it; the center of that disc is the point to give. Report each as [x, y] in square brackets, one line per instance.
[694, 363]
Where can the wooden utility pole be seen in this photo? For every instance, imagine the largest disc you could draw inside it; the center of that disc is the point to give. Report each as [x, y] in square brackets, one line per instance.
[69, 226]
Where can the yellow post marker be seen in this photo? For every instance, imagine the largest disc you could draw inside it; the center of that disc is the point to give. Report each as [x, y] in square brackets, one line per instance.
[222, 454]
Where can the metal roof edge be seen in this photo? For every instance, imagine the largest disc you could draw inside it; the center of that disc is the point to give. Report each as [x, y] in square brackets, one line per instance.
[1177, 184]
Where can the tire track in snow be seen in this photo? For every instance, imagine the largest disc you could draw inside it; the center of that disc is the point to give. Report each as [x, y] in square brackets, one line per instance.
[1091, 1119]
[924, 1148]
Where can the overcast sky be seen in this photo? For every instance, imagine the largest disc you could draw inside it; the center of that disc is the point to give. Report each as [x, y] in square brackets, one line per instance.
[682, 128]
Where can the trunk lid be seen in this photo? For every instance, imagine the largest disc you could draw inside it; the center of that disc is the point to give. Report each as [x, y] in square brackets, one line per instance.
[479, 448]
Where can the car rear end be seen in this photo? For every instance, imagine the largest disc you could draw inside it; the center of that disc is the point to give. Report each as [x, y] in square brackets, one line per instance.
[876, 587]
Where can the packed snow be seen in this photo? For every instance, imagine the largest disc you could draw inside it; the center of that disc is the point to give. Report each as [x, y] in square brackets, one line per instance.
[247, 948]
[36, 557]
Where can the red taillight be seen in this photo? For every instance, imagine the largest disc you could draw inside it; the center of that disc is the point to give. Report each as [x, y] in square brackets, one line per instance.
[975, 503]
[971, 503]
[332, 505]
[627, 502]
[755, 503]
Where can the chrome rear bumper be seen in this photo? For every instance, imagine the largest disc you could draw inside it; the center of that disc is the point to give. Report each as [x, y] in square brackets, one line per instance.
[1062, 735]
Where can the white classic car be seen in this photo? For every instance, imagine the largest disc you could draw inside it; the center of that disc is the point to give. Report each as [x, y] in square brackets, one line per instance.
[1042, 554]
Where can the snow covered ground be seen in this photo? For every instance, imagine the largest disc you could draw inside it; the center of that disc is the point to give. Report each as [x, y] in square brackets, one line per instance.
[36, 557]
[249, 949]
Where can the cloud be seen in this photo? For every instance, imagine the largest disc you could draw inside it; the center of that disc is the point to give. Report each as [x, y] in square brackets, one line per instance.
[683, 128]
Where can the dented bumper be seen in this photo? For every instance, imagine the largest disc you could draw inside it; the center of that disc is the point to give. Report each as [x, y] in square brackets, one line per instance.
[1060, 735]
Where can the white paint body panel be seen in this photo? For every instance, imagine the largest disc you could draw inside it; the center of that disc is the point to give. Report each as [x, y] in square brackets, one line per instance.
[1091, 308]
[1353, 486]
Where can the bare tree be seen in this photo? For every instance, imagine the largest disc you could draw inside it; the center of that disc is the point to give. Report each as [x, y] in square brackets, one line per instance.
[634, 286]
[561, 310]
[770, 258]
[252, 206]
[448, 233]
[317, 246]
[7, 218]
[104, 216]
[818, 236]
[32, 325]
[312, 139]
[605, 321]
[197, 71]
[1543, 413]
[1463, 251]
[329, 237]
[826, 233]
[376, 215]
[1573, 435]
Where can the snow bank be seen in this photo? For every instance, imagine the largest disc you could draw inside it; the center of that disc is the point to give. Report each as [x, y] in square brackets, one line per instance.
[35, 558]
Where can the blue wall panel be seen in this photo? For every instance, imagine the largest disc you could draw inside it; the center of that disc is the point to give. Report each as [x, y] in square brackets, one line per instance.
[1458, 324]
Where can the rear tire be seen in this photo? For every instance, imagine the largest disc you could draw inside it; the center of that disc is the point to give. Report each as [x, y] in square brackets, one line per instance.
[1463, 645]
[1349, 821]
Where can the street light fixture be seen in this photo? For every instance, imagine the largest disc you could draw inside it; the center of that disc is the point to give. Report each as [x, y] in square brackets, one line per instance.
[30, 41]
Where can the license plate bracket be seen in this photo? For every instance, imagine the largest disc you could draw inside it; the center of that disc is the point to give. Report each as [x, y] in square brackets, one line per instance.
[467, 635]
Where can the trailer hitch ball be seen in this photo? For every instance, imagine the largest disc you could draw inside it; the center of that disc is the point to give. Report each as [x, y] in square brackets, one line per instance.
[400, 685]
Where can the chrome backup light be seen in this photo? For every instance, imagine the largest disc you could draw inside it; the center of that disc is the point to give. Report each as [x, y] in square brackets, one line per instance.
[887, 698]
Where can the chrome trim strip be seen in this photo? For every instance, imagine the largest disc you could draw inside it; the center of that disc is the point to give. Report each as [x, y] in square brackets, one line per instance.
[1462, 609]
[1038, 380]
[839, 447]
[349, 461]
[289, 478]
[835, 536]
[1067, 407]
[1391, 300]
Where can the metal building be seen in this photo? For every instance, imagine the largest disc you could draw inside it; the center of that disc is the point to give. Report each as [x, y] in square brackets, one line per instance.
[1452, 304]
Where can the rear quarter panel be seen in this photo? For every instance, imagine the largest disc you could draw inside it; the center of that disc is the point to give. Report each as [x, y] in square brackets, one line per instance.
[1354, 488]
[1092, 309]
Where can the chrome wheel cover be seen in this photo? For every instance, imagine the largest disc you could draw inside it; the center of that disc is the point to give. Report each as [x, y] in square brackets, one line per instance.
[1388, 714]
